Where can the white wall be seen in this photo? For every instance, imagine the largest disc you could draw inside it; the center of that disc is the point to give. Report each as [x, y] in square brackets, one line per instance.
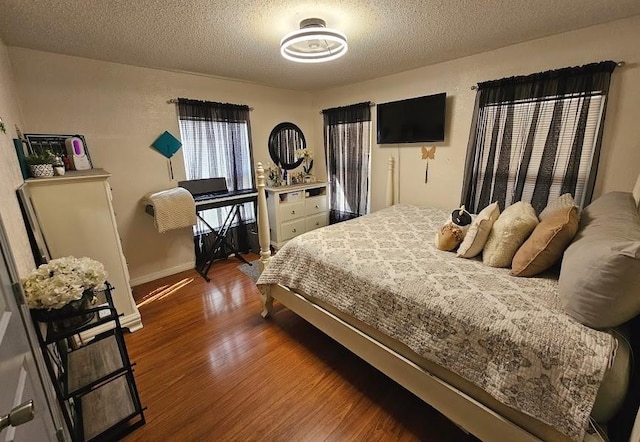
[10, 175]
[121, 110]
[620, 161]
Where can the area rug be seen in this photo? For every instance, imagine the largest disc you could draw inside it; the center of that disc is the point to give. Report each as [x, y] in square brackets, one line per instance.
[252, 271]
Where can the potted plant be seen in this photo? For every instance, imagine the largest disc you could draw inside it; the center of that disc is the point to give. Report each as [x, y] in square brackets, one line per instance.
[41, 164]
[307, 156]
[274, 175]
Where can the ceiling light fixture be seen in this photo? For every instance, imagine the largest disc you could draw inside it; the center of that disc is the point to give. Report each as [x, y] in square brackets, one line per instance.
[313, 43]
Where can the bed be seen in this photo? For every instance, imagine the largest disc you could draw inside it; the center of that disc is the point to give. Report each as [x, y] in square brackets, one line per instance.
[493, 353]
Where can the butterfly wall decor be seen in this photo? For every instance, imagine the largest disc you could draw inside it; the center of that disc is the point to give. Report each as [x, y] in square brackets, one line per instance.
[428, 154]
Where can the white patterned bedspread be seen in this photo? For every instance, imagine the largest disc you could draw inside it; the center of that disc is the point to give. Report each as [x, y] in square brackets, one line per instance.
[505, 334]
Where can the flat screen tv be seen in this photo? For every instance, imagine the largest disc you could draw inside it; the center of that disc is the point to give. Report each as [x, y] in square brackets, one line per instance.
[414, 120]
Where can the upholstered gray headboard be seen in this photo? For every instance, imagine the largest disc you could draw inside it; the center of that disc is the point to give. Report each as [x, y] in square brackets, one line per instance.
[636, 192]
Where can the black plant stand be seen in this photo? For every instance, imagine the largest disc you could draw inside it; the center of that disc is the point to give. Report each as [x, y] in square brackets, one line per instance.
[93, 380]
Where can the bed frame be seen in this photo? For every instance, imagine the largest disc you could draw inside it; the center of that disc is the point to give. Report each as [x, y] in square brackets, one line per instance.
[463, 410]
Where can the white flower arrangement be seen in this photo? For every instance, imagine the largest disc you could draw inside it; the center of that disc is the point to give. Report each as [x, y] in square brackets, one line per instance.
[274, 174]
[304, 153]
[307, 156]
[61, 281]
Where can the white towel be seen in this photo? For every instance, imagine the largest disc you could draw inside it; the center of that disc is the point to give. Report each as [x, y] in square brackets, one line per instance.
[173, 209]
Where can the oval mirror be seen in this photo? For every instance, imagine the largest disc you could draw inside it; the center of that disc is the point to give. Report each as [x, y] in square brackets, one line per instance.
[284, 140]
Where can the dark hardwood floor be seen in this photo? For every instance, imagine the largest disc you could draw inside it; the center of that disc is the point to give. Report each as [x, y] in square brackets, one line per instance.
[209, 368]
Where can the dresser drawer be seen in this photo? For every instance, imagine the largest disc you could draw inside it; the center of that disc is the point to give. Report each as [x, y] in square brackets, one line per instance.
[291, 211]
[315, 204]
[292, 229]
[316, 221]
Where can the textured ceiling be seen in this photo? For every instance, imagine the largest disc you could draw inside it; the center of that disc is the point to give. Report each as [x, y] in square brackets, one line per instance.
[240, 39]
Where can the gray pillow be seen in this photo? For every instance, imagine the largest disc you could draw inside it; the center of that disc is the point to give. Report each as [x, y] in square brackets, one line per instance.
[600, 276]
[636, 192]
[560, 203]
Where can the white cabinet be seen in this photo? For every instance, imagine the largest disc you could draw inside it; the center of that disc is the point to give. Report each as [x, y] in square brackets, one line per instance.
[75, 215]
[296, 209]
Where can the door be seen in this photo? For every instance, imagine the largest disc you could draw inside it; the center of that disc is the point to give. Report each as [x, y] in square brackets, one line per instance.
[20, 379]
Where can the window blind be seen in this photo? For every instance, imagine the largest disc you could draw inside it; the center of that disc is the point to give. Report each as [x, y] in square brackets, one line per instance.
[536, 137]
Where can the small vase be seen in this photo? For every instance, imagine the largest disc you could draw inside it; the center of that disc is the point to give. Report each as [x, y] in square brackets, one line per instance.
[41, 170]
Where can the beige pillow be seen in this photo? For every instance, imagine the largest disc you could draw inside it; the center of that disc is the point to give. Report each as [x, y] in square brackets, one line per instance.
[478, 232]
[599, 281]
[508, 233]
[547, 243]
[564, 201]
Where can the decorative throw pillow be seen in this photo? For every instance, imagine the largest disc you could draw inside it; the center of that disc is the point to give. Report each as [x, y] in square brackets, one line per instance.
[508, 233]
[600, 273]
[448, 237]
[478, 232]
[451, 234]
[547, 243]
[564, 201]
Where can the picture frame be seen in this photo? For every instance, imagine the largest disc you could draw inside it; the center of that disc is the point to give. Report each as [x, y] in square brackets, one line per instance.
[38, 143]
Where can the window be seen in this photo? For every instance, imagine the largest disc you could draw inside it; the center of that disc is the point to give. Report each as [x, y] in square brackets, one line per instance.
[537, 137]
[213, 159]
[347, 135]
[217, 143]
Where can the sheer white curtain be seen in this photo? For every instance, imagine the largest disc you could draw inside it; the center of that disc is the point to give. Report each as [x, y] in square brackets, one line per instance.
[536, 137]
[347, 139]
[523, 130]
[216, 143]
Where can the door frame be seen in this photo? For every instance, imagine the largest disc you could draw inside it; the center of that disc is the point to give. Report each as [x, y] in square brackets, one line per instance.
[25, 319]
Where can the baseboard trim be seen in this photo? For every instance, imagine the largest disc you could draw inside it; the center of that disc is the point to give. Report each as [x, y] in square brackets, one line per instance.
[162, 273]
[132, 322]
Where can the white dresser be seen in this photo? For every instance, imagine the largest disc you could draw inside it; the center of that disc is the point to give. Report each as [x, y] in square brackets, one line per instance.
[75, 214]
[294, 210]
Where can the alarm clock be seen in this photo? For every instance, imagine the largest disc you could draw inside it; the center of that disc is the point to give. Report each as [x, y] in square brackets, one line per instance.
[77, 154]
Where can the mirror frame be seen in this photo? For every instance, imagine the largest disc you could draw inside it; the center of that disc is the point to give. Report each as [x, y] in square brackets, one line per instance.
[274, 148]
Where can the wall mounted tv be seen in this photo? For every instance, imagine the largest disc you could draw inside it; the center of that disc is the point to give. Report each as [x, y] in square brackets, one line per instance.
[414, 120]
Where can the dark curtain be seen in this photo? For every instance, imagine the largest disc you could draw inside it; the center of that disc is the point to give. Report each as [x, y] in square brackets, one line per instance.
[536, 137]
[347, 145]
[217, 143]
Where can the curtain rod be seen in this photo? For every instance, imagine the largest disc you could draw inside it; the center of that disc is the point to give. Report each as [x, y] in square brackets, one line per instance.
[175, 100]
[371, 103]
[619, 64]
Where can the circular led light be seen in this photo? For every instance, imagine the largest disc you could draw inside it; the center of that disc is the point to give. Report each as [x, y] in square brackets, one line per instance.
[313, 43]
